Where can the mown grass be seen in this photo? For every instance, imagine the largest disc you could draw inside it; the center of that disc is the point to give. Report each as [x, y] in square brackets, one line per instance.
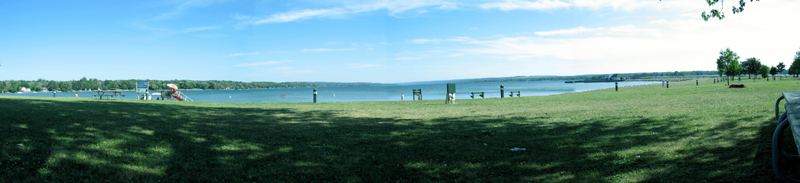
[648, 133]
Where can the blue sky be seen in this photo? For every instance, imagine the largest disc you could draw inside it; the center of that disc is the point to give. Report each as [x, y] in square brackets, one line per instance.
[380, 41]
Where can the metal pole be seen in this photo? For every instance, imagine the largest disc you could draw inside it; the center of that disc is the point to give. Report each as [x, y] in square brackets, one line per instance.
[667, 84]
[616, 86]
[315, 96]
[502, 93]
[697, 82]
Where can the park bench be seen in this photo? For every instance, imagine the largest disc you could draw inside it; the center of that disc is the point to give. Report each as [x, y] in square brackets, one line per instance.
[108, 94]
[512, 94]
[472, 95]
[790, 119]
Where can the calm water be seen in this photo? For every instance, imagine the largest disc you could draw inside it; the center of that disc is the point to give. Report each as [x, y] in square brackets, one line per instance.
[430, 91]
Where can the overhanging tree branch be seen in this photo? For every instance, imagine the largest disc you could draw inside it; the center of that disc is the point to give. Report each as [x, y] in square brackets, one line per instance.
[718, 12]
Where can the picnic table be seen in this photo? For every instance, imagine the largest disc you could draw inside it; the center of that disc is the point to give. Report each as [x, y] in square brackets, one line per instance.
[108, 94]
[790, 119]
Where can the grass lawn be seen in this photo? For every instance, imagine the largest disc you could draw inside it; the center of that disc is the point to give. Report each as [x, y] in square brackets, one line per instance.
[648, 133]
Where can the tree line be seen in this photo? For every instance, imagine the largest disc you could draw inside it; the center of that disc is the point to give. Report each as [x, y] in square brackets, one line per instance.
[85, 84]
[728, 64]
[641, 75]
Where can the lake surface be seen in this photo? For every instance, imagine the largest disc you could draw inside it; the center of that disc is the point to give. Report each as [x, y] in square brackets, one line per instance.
[430, 91]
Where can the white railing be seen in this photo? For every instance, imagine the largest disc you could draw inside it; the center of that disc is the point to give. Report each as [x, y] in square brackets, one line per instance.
[185, 98]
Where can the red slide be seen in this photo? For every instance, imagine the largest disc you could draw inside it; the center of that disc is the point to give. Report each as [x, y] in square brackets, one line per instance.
[178, 97]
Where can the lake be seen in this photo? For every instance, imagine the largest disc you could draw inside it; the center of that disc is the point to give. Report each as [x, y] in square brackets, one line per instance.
[430, 91]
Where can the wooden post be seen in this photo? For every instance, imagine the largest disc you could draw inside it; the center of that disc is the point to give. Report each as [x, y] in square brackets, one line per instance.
[502, 93]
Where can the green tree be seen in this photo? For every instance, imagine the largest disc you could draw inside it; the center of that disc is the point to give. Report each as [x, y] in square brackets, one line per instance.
[734, 69]
[726, 58]
[781, 67]
[65, 86]
[717, 13]
[52, 86]
[751, 66]
[764, 71]
[794, 69]
[773, 71]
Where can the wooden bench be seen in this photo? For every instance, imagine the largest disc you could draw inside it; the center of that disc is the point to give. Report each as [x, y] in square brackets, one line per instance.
[512, 93]
[790, 119]
[472, 95]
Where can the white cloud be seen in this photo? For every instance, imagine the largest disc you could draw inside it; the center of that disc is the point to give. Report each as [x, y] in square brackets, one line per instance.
[325, 49]
[184, 7]
[630, 5]
[357, 66]
[527, 5]
[392, 6]
[294, 15]
[290, 71]
[258, 63]
[242, 54]
[677, 43]
[407, 58]
[164, 32]
[347, 8]
[564, 31]
[195, 29]
[631, 30]
[424, 41]
[450, 5]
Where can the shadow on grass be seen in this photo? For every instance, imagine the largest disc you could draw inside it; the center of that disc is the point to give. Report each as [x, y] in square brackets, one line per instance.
[97, 141]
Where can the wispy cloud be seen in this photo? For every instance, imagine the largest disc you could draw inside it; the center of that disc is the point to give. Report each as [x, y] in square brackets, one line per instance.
[527, 5]
[406, 58]
[325, 49]
[288, 70]
[242, 54]
[258, 63]
[165, 32]
[356, 66]
[423, 41]
[657, 44]
[348, 8]
[293, 15]
[564, 31]
[184, 7]
[393, 7]
[195, 29]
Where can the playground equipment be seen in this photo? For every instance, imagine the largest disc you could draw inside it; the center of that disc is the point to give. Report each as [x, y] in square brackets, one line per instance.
[174, 94]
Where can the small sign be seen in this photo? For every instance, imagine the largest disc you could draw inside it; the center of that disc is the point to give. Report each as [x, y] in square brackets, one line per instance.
[141, 87]
[451, 88]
